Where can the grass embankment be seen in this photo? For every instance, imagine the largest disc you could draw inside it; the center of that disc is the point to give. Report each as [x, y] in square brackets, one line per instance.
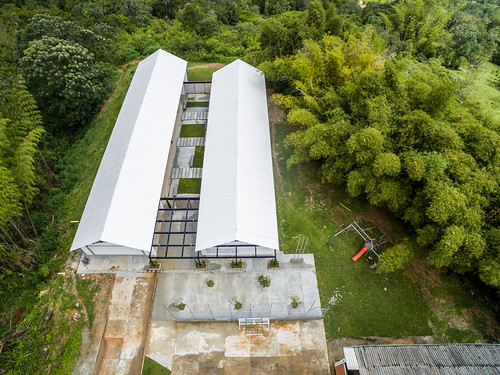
[189, 186]
[200, 74]
[196, 104]
[195, 130]
[366, 303]
[153, 368]
[34, 346]
[199, 153]
[485, 88]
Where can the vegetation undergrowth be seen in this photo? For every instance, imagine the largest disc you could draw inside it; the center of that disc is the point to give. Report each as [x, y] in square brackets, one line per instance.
[31, 345]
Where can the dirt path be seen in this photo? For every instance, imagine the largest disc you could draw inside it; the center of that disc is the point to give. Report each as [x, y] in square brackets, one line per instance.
[276, 115]
[212, 65]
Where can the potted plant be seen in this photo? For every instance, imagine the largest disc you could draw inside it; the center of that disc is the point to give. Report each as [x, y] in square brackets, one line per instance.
[154, 264]
[236, 264]
[210, 282]
[264, 281]
[178, 304]
[296, 301]
[273, 263]
[237, 304]
[201, 264]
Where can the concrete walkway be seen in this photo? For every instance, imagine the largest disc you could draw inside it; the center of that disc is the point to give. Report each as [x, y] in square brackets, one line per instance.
[122, 345]
[191, 141]
[187, 172]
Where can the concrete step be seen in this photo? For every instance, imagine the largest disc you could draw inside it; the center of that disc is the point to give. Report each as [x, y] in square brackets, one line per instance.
[195, 115]
[186, 172]
[191, 142]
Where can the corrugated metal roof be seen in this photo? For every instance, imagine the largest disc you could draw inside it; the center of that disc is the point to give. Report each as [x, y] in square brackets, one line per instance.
[237, 201]
[466, 359]
[122, 205]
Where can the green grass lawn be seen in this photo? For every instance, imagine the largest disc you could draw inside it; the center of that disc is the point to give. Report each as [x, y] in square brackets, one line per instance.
[189, 186]
[201, 74]
[153, 368]
[195, 130]
[369, 304]
[484, 88]
[199, 152]
[196, 104]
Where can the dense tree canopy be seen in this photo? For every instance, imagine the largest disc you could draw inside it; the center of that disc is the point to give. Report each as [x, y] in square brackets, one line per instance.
[392, 130]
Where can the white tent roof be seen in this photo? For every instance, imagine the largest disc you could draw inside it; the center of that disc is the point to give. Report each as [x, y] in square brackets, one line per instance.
[237, 201]
[122, 205]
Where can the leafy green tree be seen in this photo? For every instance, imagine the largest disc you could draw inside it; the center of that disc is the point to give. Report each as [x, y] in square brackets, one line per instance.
[194, 18]
[44, 25]
[65, 79]
[394, 132]
[316, 19]
[398, 256]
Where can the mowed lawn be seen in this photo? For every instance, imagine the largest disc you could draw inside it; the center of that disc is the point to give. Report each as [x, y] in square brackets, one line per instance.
[367, 303]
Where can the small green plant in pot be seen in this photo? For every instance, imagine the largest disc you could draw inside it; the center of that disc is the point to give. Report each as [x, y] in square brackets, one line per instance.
[236, 264]
[296, 301]
[237, 303]
[210, 282]
[201, 264]
[273, 263]
[264, 281]
[153, 263]
[178, 304]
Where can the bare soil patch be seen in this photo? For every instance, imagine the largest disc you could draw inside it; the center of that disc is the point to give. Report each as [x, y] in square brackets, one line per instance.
[211, 65]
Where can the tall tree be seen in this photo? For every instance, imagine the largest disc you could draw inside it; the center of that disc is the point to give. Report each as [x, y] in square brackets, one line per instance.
[65, 79]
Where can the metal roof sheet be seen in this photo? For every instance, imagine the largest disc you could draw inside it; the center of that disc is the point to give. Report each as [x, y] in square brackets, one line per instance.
[237, 201]
[122, 205]
[466, 359]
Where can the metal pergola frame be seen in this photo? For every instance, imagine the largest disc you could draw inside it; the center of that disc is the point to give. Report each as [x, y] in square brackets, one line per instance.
[171, 203]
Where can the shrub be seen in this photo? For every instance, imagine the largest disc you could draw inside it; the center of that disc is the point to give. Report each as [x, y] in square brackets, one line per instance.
[264, 281]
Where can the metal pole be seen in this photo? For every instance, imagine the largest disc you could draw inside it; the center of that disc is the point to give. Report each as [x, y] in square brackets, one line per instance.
[166, 308]
[213, 316]
[270, 310]
[194, 317]
[310, 309]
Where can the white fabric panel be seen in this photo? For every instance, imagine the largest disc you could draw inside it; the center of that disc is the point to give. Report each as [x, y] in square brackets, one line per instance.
[122, 205]
[237, 201]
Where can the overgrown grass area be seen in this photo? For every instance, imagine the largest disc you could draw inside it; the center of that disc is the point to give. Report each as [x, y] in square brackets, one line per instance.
[201, 74]
[151, 367]
[196, 104]
[199, 153]
[364, 303]
[33, 346]
[189, 186]
[485, 88]
[247, 16]
[194, 130]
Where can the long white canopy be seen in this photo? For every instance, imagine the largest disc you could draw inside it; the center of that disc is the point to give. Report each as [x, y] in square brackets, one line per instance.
[237, 202]
[120, 214]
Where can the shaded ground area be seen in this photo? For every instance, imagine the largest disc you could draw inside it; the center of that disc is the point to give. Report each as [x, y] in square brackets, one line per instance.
[287, 347]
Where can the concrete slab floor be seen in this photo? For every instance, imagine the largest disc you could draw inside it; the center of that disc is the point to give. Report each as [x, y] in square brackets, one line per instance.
[287, 347]
[184, 157]
[114, 264]
[212, 303]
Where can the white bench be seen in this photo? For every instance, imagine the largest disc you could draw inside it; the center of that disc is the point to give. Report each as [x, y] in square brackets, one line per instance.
[253, 321]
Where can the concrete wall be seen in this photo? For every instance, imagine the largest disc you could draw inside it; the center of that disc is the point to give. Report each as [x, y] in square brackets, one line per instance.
[105, 248]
